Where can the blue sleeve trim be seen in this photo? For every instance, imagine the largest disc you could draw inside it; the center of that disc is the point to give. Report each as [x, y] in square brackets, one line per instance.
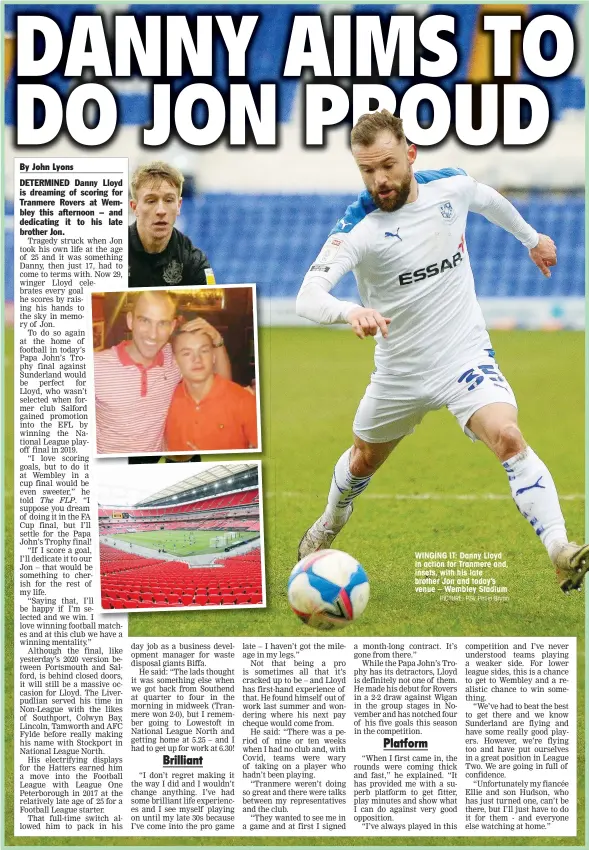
[428, 176]
[355, 213]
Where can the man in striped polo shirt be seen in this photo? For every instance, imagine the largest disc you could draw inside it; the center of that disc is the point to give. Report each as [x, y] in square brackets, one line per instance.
[134, 381]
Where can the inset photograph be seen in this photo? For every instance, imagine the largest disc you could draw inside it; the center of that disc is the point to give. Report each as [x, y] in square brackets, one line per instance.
[189, 542]
[175, 371]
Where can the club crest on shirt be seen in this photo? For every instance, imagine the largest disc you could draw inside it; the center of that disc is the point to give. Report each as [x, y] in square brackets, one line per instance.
[173, 272]
[330, 250]
[448, 212]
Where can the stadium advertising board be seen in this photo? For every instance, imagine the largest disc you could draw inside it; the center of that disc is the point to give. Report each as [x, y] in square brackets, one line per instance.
[385, 644]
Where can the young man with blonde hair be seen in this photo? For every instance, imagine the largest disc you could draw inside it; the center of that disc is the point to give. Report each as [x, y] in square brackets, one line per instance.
[159, 254]
[405, 240]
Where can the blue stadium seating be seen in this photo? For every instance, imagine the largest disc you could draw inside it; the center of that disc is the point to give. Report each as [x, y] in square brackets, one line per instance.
[466, 16]
[272, 240]
[63, 14]
[265, 54]
[567, 92]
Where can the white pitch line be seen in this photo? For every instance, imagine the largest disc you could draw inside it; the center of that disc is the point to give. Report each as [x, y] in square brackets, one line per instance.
[427, 497]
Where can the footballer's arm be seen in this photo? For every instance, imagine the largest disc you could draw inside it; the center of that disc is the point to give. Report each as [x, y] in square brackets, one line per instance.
[500, 211]
[315, 301]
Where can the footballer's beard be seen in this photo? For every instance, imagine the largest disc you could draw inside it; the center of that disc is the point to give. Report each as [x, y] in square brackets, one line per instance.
[396, 201]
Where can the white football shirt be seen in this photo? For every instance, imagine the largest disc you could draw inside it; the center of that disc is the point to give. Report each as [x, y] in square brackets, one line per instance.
[412, 266]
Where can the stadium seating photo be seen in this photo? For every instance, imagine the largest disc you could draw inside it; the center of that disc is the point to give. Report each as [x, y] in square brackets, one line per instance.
[219, 538]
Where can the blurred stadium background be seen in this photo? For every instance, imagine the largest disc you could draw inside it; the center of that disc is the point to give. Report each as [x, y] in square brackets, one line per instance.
[262, 215]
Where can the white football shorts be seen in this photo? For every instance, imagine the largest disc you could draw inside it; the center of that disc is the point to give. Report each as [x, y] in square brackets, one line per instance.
[394, 404]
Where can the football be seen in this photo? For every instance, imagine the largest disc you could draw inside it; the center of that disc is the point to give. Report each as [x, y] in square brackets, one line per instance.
[328, 589]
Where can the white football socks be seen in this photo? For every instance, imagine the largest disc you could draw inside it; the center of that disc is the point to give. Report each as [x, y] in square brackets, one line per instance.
[531, 483]
[535, 495]
[344, 487]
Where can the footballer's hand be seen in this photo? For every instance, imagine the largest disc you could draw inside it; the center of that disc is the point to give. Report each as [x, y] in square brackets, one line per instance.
[366, 322]
[202, 325]
[544, 254]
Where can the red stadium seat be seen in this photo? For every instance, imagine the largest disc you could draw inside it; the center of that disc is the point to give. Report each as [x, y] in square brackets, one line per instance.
[242, 598]
[227, 599]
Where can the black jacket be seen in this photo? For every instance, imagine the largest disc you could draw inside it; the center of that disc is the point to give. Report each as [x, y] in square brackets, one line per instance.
[180, 264]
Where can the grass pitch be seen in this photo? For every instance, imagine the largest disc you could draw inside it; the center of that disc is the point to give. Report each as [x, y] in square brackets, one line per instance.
[311, 382]
[182, 542]
[437, 492]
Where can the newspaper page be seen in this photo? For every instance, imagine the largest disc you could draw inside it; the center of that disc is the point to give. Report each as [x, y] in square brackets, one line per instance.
[197, 199]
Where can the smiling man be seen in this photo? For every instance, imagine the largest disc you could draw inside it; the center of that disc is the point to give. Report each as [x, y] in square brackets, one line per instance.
[159, 254]
[404, 238]
[207, 412]
[135, 380]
